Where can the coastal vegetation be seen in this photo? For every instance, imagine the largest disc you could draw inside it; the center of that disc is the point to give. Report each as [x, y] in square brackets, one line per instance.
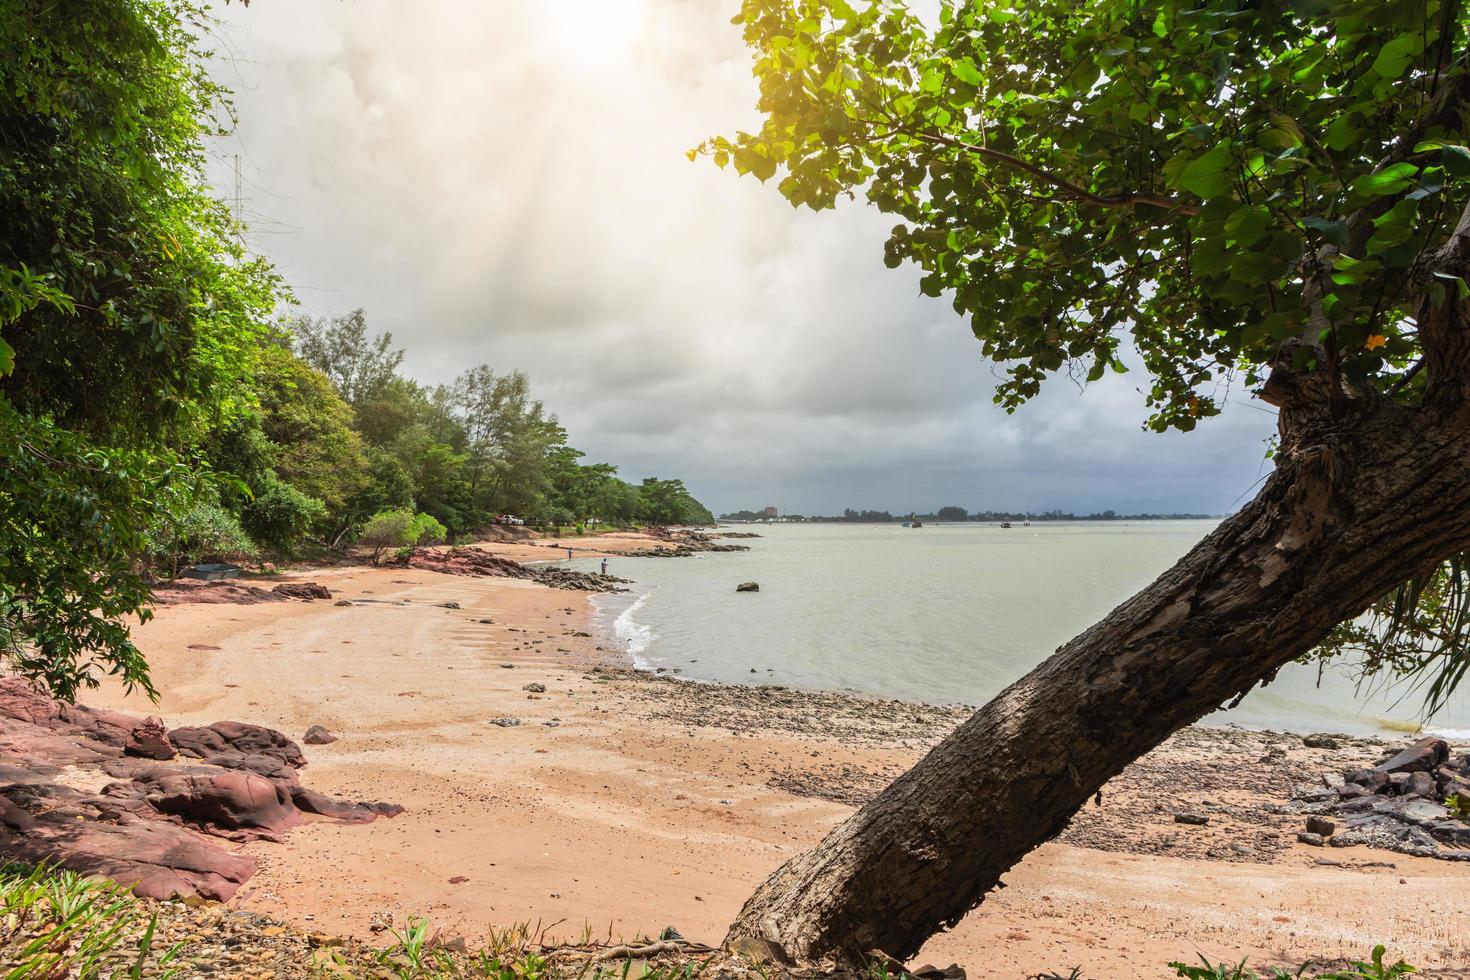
[1215, 193]
[160, 406]
[1213, 189]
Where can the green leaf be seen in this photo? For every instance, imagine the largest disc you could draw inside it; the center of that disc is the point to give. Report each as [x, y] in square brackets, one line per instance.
[1248, 224]
[1395, 57]
[7, 357]
[1334, 231]
[964, 69]
[1211, 175]
[1389, 180]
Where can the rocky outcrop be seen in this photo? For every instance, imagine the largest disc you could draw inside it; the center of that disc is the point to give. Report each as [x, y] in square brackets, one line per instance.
[473, 561]
[180, 591]
[748, 587]
[303, 590]
[102, 792]
[1401, 804]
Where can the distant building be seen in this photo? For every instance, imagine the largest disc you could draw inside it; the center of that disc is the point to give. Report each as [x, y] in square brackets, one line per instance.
[770, 512]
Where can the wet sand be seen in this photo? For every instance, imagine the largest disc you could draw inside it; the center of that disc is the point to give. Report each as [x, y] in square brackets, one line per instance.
[651, 802]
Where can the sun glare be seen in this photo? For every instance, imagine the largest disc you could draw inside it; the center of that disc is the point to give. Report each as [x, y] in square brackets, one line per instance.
[597, 32]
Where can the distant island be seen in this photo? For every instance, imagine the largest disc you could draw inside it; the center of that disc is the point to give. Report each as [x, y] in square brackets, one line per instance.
[953, 515]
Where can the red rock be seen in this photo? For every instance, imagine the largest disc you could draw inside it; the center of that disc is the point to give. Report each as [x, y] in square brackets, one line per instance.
[152, 827]
[149, 740]
[230, 801]
[302, 590]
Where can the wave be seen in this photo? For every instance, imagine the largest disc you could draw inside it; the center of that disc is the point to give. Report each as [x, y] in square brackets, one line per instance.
[635, 636]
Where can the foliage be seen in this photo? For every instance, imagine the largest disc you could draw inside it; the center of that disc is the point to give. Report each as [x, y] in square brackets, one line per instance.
[72, 517]
[279, 516]
[106, 106]
[468, 451]
[55, 923]
[1374, 969]
[668, 502]
[129, 314]
[1418, 632]
[1212, 189]
[360, 368]
[400, 528]
[1200, 182]
[192, 533]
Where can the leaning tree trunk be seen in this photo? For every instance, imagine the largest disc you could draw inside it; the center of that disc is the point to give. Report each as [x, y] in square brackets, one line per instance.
[1364, 497]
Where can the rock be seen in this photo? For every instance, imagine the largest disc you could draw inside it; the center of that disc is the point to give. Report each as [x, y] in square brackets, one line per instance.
[748, 587]
[448, 605]
[1423, 756]
[149, 740]
[310, 801]
[1192, 819]
[343, 602]
[302, 590]
[1307, 837]
[1320, 742]
[1372, 780]
[928, 972]
[1397, 781]
[230, 801]
[317, 735]
[1352, 791]
[505, 722]
[1422, 813]
[535, 688]
[1313, 794]
[670, 934]
[151, 825]
[1320, 826]
[1420, 784]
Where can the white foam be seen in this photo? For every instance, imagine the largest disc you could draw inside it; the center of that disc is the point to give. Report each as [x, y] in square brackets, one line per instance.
[635, 636]
[1458, 734]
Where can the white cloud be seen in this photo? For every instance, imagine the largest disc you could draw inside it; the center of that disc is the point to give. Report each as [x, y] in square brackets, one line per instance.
[505, 182]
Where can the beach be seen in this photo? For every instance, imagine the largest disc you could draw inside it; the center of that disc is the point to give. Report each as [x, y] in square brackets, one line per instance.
[620, 802]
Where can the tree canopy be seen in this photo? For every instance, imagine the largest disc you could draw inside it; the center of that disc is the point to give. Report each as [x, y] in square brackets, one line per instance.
[153, 408]
[1213, 191]
[1207, 187]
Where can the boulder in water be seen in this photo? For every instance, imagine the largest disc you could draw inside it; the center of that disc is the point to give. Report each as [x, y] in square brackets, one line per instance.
[748, 587]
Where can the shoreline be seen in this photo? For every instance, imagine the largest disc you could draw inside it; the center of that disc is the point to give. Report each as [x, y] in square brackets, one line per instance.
[652, 803]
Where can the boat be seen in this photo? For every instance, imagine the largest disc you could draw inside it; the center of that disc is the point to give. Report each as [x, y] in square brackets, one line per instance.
[1005, 523]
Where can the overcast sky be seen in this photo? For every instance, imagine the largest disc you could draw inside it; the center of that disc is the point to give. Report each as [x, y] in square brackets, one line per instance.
[505, 182]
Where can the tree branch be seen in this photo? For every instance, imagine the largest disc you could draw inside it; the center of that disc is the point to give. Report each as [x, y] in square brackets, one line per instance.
[1130, 200]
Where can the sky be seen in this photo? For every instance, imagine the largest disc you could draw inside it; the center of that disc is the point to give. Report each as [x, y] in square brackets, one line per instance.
[504, 182]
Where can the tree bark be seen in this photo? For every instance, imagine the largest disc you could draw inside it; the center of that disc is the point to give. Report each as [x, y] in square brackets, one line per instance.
[1362, 499]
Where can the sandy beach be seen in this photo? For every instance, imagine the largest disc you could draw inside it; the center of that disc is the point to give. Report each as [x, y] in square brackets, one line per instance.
[621, 803]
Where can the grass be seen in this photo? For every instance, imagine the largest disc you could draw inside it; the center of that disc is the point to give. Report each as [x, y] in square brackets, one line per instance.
[55, 923]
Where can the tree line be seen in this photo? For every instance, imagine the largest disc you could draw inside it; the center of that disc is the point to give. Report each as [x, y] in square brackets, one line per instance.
[337, 440]
[156, 408]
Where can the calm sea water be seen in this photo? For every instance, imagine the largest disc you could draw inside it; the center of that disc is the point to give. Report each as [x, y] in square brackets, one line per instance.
[947, 613]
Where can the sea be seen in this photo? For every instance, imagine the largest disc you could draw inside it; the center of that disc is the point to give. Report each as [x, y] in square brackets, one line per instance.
[946, 613]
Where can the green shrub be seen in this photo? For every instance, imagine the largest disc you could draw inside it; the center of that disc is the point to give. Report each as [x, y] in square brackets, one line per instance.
[280, 516]
[399, 529]
[202, 531]
[426, 529]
